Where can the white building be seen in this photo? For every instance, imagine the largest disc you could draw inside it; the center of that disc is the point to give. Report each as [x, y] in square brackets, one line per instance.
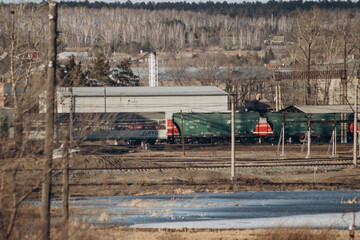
[142, 99]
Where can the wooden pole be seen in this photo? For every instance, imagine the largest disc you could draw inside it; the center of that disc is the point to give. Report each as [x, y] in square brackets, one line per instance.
[49, 135]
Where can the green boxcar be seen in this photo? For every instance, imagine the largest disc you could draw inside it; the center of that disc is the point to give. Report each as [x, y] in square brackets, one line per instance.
[321, 125]
[216, 125]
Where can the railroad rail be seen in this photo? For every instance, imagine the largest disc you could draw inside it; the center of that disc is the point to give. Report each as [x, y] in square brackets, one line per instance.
[115, 176]
[201, 164]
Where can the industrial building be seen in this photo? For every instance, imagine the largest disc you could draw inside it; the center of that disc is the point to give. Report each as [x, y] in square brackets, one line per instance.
[141, 99]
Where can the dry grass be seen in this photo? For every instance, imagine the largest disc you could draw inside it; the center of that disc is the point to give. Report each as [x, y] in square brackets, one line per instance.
[80, 231]
[299, 234]
[115, 233]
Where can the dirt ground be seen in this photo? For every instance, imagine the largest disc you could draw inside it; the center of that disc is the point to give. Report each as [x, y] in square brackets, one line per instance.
[182, 181]
[119, 233]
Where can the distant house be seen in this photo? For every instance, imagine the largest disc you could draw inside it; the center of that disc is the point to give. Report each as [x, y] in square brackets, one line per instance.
[33, 55]
[78, 55]
[275, 40]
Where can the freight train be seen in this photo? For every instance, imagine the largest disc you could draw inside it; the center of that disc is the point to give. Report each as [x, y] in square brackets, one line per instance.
[213, 127]
[251, 127]
[134, 128]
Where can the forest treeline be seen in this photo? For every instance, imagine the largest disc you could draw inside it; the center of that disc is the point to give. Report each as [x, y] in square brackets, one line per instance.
[243, 9]
[127, 27]
[131, 30]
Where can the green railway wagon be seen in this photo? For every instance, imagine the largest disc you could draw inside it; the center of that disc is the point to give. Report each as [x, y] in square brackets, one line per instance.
[321, 124]
[202, 126]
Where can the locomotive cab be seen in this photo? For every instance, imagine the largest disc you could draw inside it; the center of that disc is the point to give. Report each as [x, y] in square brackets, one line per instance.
[172, 131]
[263, 129]
[352, 128]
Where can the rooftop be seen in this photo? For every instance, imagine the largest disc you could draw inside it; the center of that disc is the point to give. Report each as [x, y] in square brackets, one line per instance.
[319, 109]
[143, 91]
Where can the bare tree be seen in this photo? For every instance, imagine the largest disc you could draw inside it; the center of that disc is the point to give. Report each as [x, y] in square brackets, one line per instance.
[305, 37]
[347, 33]
[180, 74]
[209, 66]
[21, 38]
[329, 47]
[164, 29]
[21, 31]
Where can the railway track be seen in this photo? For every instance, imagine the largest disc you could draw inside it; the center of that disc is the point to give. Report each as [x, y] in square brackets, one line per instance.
[271, 161]
[214, 167]
[201, 163]
[115, 175]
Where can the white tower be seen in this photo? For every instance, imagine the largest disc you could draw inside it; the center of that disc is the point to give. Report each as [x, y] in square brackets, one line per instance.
[153, 70]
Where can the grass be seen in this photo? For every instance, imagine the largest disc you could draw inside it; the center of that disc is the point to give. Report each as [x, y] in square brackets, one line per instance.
[299, 234]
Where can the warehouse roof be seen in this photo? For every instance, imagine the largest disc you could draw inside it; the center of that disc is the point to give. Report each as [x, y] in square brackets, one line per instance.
[318, 109]
[143, 91]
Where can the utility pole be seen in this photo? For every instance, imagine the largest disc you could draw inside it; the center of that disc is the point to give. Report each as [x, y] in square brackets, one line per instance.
[49, 140]
[278, 77]
[343, 100]
[104, 98]
[283, 136]
[276, 98]
[308, 136]
[71, 116]
[277, 84]
[356, 123]
[280, 102]
[182, 132]
[65, 169]
[232, 137]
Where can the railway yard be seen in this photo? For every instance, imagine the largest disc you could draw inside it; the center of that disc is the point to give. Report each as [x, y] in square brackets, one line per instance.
[207, 168]
[107, 169]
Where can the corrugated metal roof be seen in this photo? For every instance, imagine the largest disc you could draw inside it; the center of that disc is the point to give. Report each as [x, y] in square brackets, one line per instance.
[143, 91]
[321, 109]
